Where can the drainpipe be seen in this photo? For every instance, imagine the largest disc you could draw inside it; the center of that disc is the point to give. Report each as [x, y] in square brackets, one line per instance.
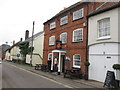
[86, 68]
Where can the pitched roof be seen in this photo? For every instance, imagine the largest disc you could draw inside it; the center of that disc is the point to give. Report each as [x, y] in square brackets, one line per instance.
[66, 9]
[34, 36]
[106, 6]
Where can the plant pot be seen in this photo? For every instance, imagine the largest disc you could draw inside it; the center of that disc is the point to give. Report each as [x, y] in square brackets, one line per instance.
[86, 76]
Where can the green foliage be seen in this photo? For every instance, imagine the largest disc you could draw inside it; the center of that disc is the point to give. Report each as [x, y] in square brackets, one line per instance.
[30, 48]
[24, 48]
[116, 66]
[87, 63]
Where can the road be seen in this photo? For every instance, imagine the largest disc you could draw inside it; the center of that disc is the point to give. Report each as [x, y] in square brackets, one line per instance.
[0, 76]
[13, 77]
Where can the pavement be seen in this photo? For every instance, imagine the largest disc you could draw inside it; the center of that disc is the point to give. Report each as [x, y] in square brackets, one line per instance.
[77, 83]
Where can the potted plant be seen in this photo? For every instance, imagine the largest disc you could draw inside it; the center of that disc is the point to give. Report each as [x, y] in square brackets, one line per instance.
[87, 64]
[117, 68]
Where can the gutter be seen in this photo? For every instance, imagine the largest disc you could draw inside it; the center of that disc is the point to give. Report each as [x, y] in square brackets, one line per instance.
[104, 10]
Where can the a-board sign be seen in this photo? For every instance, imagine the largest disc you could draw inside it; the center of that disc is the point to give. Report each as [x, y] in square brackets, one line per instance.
[110, 79]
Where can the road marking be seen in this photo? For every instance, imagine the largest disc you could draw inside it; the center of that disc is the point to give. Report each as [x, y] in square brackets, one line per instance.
[67, 86]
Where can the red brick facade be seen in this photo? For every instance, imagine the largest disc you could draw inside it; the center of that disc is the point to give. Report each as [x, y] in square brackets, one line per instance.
[70, 47]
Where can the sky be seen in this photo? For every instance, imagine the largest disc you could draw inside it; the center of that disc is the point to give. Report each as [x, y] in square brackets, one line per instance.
[17, 16]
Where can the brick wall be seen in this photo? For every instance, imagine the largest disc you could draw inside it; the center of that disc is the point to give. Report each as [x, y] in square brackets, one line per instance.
[70, 47]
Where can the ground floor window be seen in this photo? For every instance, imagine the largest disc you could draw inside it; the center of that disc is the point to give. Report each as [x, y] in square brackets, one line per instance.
[76, 60]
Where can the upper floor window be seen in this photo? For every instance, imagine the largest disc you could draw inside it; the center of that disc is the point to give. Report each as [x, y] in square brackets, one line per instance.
[104, 27]
[63, 37]
[64, 20]
[78, 14]
[78, 35]
[76, 60]
[52, 40]
[52, 25]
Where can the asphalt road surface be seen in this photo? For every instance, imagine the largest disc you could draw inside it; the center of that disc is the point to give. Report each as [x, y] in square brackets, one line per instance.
[13, 77]
[0, 76]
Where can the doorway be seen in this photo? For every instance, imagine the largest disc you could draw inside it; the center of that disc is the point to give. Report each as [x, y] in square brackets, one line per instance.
[62, 63]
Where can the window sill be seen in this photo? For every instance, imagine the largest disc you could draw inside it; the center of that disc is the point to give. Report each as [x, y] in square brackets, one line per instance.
[103, 38]
[63, 24]
[77, 19]
[51, 45]
[64, 43]
[77, 41]
[52, 28]
[76, 66]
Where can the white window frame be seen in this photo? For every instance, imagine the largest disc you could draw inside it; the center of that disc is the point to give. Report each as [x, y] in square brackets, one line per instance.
[52, 25]
[64, 20]
[51, 42]
[49, 55]
[78, 14]
[105, 24]
[76, 66]
[73, 39]
[62, 39]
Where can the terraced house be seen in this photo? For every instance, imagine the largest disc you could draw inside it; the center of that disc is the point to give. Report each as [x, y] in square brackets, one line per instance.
[103, 40]
[65, 37]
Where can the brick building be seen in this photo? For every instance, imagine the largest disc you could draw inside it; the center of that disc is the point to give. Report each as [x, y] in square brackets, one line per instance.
[66, 37]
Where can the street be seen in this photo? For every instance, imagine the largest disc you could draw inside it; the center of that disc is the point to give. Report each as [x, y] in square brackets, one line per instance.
[17, 78]
[0, 76]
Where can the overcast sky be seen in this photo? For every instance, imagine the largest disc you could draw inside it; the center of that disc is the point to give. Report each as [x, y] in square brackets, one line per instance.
[17, 16]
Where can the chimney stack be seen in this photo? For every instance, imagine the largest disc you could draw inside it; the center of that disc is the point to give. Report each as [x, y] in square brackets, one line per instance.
[26, 34]
[13, 42]
[21, 39]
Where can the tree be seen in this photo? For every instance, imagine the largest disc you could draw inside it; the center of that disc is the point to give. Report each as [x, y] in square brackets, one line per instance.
[24, 48]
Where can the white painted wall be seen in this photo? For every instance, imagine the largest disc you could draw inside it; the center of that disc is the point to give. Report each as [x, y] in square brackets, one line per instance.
[99, 63]
[99, 50]
[93, 32]
[7, 55]
[38, 49]
[28, 59]
[13, 53]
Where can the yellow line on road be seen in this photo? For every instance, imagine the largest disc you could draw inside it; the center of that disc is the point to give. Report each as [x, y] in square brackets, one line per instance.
[67, 86]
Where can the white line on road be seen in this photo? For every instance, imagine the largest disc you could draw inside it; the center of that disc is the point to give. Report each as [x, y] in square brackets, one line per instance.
[67, 86]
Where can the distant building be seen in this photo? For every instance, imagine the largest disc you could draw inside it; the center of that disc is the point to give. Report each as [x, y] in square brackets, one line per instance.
[12, 52]
[3, 48]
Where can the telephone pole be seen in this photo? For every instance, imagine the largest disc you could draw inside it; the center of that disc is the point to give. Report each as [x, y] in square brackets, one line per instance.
[32, 43]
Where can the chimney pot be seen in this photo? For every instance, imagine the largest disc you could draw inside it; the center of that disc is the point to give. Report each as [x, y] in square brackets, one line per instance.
[26, 34]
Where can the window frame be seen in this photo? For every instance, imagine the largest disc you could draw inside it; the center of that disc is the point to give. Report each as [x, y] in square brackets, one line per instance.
[64, 18]
[103, 36]
[73, 39]
[76, 66]
[53, 43]
[61, 37]
[76, 13]
[52, 27]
